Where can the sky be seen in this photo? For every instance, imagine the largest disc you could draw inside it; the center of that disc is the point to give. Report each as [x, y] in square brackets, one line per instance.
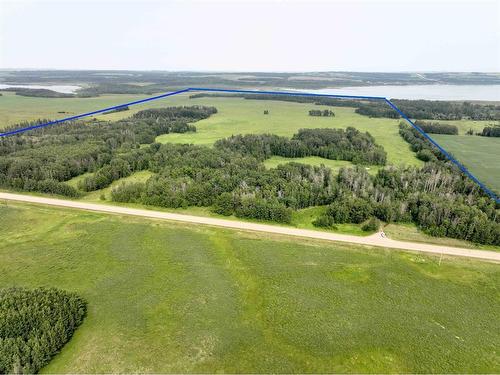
[358, 35]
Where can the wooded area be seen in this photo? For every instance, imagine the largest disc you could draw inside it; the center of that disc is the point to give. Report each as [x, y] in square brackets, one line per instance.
[231, 179]
[34, 326]
[437, 128]
[491, 131]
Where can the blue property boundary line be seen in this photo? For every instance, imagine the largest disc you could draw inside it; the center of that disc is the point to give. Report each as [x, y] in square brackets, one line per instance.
[198, 89]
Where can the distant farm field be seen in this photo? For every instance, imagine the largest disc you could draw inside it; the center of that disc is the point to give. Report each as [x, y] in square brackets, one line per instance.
[15, 108]
[164, 297]
[481, 155]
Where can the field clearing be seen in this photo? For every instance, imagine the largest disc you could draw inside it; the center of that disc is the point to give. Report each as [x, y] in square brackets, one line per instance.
[236, 116]
[334, 165]
[481, 155]
[95, 196]
[173, 298]
[242, 116]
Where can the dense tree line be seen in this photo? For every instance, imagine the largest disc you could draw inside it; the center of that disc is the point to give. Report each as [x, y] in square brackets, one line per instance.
[38, 93]
[41, 160]
[321, 113]
[230, 182]
[34, 326]
[317, 100]
[491, 131]
[423, 148]
[415, 109]
[231, 179]
[335, 144]
[436, 127]
[119, 109]
[437, 198]
[431, 110]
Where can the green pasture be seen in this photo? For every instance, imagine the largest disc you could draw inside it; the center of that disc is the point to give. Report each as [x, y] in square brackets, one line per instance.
[242, 116]
[481, 155]
[171, 298]
[15, 108]
[334, 165]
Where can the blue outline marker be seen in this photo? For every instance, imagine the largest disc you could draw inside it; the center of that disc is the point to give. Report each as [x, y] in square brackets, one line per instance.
[191, 89]
[22, 130]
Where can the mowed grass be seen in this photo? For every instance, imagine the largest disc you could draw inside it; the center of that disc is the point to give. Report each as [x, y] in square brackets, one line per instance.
[242, 116]
[166, 297]
[481, 155]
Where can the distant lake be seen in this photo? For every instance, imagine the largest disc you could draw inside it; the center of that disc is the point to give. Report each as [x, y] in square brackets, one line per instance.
[429, 92]
[58, 88]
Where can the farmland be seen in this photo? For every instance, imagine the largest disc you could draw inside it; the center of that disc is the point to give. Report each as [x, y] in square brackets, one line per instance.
[15, 109]
[480, 155]
[169, 298]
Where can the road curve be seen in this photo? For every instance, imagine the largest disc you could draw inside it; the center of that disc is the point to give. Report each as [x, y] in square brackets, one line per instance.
[373, 240]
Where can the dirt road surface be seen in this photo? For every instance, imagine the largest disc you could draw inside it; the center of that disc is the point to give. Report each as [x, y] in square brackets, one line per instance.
[374, 240]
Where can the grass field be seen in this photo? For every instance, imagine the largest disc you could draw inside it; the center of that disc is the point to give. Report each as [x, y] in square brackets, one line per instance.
[15, 108]
[481, 155]
[410, 232]
[241, 116]
[334, 165]
[235, 116]
[170, 298]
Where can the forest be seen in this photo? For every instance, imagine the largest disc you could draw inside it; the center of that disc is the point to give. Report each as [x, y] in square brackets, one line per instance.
[334, 144]
[230, 178]
[42, 160]
[491, 131]
[34, 326]
[38, 93]
[437, 128]
[432, 110]
[321, 113]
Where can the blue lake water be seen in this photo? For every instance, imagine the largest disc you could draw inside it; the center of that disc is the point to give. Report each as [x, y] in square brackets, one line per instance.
[429, 92]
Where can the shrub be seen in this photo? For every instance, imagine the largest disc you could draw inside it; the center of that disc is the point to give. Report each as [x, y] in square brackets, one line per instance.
[324, 221]
[225, 204]
[426, 155]
[373, 224]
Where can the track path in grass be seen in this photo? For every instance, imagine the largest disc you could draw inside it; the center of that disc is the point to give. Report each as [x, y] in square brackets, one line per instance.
[374, 240]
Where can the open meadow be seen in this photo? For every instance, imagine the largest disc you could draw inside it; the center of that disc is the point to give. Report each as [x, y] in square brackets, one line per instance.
[164, 297]
[15, 108]
[243, 116]
[481, 155]
[235, 116]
